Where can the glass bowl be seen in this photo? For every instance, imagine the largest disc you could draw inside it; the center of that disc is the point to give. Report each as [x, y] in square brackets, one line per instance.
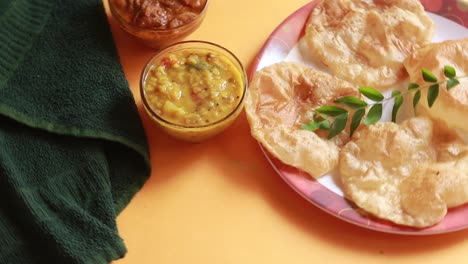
[193, 90]
[156, 38]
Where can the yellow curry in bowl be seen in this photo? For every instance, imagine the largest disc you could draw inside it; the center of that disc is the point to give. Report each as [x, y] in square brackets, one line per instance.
[194, 89]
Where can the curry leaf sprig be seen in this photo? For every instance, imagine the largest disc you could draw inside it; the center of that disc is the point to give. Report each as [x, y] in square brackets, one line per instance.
[334, 118]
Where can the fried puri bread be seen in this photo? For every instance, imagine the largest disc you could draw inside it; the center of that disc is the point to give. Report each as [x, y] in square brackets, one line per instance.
[451, 106]
[366, 41]
[408, 173]
[432, 188]
[281, 99]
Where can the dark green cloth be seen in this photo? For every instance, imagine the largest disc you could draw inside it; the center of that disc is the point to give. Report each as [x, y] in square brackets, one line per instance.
[72, 147]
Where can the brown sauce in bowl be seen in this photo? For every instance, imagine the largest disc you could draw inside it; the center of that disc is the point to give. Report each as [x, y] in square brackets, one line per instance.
[159, 14]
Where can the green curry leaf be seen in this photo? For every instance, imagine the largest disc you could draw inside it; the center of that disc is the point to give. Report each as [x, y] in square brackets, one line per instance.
[338, 125]
[325, 124]
[311, 126]
[356, 120]
[451, 83]
[413, 86]
[351, 102]
[331, 110]
[428, 76]
[374, 115]
[432, 94]
[398, 101]
[449, 72]
[371, 93]
[416, 98]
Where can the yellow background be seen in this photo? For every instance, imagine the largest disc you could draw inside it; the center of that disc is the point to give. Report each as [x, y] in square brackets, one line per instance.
[221, 202]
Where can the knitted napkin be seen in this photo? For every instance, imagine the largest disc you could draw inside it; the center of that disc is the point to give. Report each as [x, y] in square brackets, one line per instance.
[72, 147]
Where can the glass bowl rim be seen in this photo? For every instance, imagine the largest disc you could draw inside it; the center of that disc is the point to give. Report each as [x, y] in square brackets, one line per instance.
[175, 46]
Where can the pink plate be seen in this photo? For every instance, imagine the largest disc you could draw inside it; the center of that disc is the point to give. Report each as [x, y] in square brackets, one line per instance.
[276, 48]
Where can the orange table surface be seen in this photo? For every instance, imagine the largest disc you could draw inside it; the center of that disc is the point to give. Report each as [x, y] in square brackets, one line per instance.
[221, 202]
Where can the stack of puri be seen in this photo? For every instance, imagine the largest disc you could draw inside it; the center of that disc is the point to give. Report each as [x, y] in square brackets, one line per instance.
[409, 172]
